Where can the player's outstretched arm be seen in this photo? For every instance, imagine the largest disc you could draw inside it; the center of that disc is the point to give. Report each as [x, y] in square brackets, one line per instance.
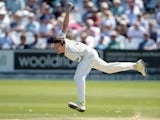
[66, 19]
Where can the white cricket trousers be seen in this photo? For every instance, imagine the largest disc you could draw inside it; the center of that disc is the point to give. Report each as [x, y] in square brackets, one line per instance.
[92, 60]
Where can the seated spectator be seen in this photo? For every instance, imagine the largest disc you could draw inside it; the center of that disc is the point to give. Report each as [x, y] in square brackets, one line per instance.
[103, 7]
[23, 43]
[15, 5]
[6, 41]
[94, 16]
[115, 42]
[46, 13]
[108, 18]
[143, 22]
[117, 9]
[32, 25]
[158, 43]
[51, 36]
[106, 29]
[158, 22]
[131, 14]
[100, 4]
[58, 10]
[152, 30]
[122, 28]
[157, 7]
[4, 21]
[147, 43]
[45, 27]
[16, 23]
[87, 39]
[92, 30]
[131, 44]
[32, 5]
[89, 6]
[103, 42]
[136, 31]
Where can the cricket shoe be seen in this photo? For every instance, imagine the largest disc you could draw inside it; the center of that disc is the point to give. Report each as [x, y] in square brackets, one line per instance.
[79, 106]
[141, 67]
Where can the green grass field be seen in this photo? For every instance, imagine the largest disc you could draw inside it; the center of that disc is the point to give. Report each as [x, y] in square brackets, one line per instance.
[25, 99]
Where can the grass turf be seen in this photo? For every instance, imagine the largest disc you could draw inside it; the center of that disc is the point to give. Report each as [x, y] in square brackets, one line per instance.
[49, 98]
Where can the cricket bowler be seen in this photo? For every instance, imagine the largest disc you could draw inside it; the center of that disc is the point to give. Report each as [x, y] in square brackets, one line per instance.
[88, 58]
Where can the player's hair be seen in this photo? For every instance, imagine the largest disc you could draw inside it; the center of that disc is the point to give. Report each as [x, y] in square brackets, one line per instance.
[59, 41]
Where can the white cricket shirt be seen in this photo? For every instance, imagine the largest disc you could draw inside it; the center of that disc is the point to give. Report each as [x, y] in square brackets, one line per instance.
[76, 50]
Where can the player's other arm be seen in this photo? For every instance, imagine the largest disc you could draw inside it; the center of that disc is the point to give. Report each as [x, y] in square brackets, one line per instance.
[66, 18]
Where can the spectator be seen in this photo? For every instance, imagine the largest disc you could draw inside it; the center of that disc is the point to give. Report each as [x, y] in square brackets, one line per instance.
[117, 9]
[152, 30]
[122, 28]
[115, 42]
[6, 41]
[147, 43]
[103, 7]
[32, 6]
[23, 42]
[92, 30]
[158, 7]
[106, 29]
[89, 6]
[47, 14]
[58, 10]
[51, 36]
[138, 5]
[45, 27]
[131, 14]
[32, 25]
[100, 4]
[103, 42]
[16, 23]
[136, 32]
[87, 39]
[4, 21]
[94, 16]
[158, 43]
[142, 21]
[108, 18]
[15, 5]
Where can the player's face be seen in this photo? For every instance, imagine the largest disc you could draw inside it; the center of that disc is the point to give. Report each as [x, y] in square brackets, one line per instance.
[59, 48]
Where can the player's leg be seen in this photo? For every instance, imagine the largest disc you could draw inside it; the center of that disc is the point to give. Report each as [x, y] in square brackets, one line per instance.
[115, 67]
[82, 71]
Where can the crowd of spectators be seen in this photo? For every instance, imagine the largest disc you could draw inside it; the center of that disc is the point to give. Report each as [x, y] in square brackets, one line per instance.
[101, 24]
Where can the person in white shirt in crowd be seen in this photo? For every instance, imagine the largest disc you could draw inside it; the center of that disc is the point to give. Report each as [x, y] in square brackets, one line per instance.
[87, 58]
[92, 30]
[136, 33]
[32, 25]
[17, 22]
[4, 21]
[87, 39]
